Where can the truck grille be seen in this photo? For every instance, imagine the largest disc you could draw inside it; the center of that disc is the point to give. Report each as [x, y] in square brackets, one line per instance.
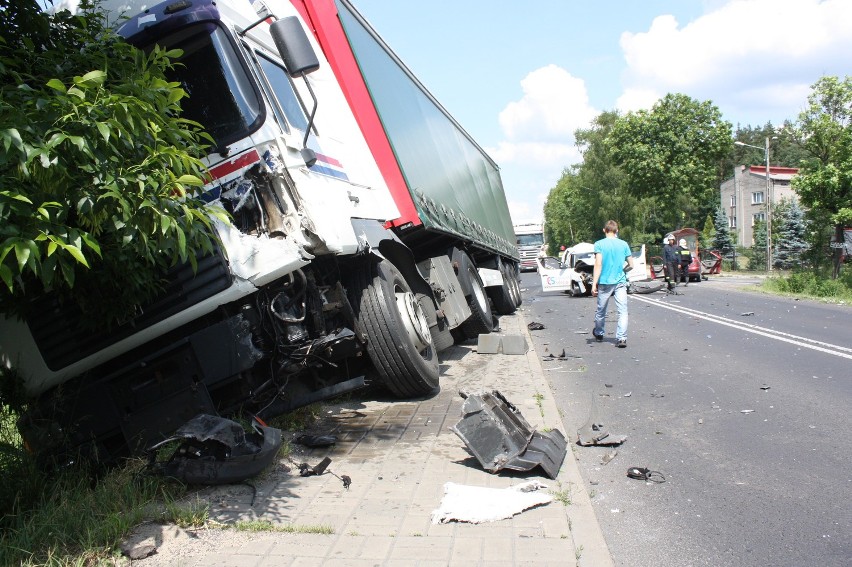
[56, 328]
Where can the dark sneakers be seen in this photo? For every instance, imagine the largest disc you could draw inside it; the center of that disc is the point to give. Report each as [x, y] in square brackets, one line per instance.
[598, 338]
[622, 343]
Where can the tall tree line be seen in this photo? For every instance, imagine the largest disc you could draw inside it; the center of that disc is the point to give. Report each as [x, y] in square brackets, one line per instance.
[659, 170]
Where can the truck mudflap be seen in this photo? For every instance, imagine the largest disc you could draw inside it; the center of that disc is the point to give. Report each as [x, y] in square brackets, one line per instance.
[215, 450]
[500, 438]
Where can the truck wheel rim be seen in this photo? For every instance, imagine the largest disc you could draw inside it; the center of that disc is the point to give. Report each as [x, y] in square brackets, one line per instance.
[413, 319]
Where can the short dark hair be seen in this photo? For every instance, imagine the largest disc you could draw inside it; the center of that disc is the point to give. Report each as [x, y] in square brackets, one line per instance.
[611, 226]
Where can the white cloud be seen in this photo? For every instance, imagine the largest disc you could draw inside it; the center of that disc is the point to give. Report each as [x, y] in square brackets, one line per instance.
[637, 99]
[753, 58]
[553, 106]
[538, 136]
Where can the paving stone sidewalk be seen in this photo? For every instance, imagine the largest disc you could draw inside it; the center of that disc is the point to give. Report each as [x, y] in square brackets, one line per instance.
[399, 455]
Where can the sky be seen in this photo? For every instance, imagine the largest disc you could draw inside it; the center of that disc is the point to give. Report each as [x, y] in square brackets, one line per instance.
[521, 77]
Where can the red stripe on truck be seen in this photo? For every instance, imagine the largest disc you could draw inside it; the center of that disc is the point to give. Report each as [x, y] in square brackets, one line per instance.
[243, 160]
[321, 17]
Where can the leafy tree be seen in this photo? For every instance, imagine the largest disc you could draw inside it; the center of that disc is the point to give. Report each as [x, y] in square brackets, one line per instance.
[708, 233]
[597, 190]
[784, 149]
[824, 183]
[788, 235]
[673, 153]
[559, 215]
[722, 240]
[757, 261]
[98, 172]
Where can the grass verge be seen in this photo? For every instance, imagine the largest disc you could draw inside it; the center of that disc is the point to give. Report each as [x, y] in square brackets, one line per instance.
[812, 285]
[76, 517]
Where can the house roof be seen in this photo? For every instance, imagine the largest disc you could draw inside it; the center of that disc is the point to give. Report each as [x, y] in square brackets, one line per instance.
[775, 172]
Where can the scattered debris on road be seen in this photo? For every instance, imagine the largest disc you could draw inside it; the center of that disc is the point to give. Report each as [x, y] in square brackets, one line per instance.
[499, 436]
[594, 434]
[535, 326]
[607, 457]
[747, 314]
[764, 387]
[747, 411]
[563, 356]
[321, 468]
[475, 504]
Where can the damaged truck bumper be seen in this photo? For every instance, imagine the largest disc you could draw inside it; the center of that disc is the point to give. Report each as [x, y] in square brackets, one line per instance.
[500, 438]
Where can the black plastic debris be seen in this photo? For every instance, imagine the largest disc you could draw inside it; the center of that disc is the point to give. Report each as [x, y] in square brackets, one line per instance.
[535, 326]
[642, 473]
[500, 438]
[595, 434]
[321, 468]
[747, 314]
[562, 356]
[306, 470]
[316, 440]
[215, 450]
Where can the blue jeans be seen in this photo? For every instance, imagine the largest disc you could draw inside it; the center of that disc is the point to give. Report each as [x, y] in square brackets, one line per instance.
[605, 291]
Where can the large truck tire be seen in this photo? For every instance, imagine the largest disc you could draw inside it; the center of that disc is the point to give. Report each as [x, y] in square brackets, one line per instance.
[504, 302]
[516, 285]
[398, 339]
[480, 320]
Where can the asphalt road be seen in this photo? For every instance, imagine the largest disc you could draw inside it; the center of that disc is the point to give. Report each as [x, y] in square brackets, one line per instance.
[738, 398]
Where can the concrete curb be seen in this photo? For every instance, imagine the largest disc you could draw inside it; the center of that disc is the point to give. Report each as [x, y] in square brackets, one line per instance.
[588, 538]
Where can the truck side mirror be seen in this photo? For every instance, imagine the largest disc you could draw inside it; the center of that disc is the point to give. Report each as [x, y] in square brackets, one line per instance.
[300, 59]
[293, 46]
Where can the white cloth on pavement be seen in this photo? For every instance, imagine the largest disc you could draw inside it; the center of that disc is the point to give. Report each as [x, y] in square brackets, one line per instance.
[476, 504]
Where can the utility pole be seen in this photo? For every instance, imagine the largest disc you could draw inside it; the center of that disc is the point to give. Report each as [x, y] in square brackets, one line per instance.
[768, 213]
[768, 200]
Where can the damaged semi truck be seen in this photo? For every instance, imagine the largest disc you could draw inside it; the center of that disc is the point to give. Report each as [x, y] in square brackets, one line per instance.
[369, 232]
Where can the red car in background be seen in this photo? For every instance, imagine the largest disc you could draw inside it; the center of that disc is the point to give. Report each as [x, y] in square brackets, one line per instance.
[704, 262]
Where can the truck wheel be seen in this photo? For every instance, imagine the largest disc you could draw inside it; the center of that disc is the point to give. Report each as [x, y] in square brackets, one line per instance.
[515, 286]
[398, 339]
[516, 283]
[479, 322]
[504, 303]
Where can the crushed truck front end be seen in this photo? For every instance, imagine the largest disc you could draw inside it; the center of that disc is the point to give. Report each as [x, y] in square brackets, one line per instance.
[270, 321]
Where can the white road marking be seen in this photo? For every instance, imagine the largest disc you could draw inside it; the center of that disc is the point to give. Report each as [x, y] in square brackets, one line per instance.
[804, 342]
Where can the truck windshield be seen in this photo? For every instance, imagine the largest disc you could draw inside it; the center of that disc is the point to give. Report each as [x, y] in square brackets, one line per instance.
[222, 97]
[530, 239]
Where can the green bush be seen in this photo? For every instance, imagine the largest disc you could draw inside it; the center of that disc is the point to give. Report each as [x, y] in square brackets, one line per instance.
[98, 171]
[812, 284]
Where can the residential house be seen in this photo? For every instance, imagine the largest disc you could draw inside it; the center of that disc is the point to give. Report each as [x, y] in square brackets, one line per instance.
[744, 197]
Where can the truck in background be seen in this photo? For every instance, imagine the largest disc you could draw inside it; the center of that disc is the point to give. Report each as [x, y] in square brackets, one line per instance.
[529, 237]
[369, 232]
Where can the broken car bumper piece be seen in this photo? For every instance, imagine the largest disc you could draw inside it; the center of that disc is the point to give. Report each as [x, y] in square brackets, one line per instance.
[500, 438]
[215, 450]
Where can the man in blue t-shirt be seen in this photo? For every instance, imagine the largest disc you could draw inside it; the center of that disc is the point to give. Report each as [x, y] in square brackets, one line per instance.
[609, 279]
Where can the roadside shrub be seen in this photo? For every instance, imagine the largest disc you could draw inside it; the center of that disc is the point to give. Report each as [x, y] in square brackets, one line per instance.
[813, 284]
